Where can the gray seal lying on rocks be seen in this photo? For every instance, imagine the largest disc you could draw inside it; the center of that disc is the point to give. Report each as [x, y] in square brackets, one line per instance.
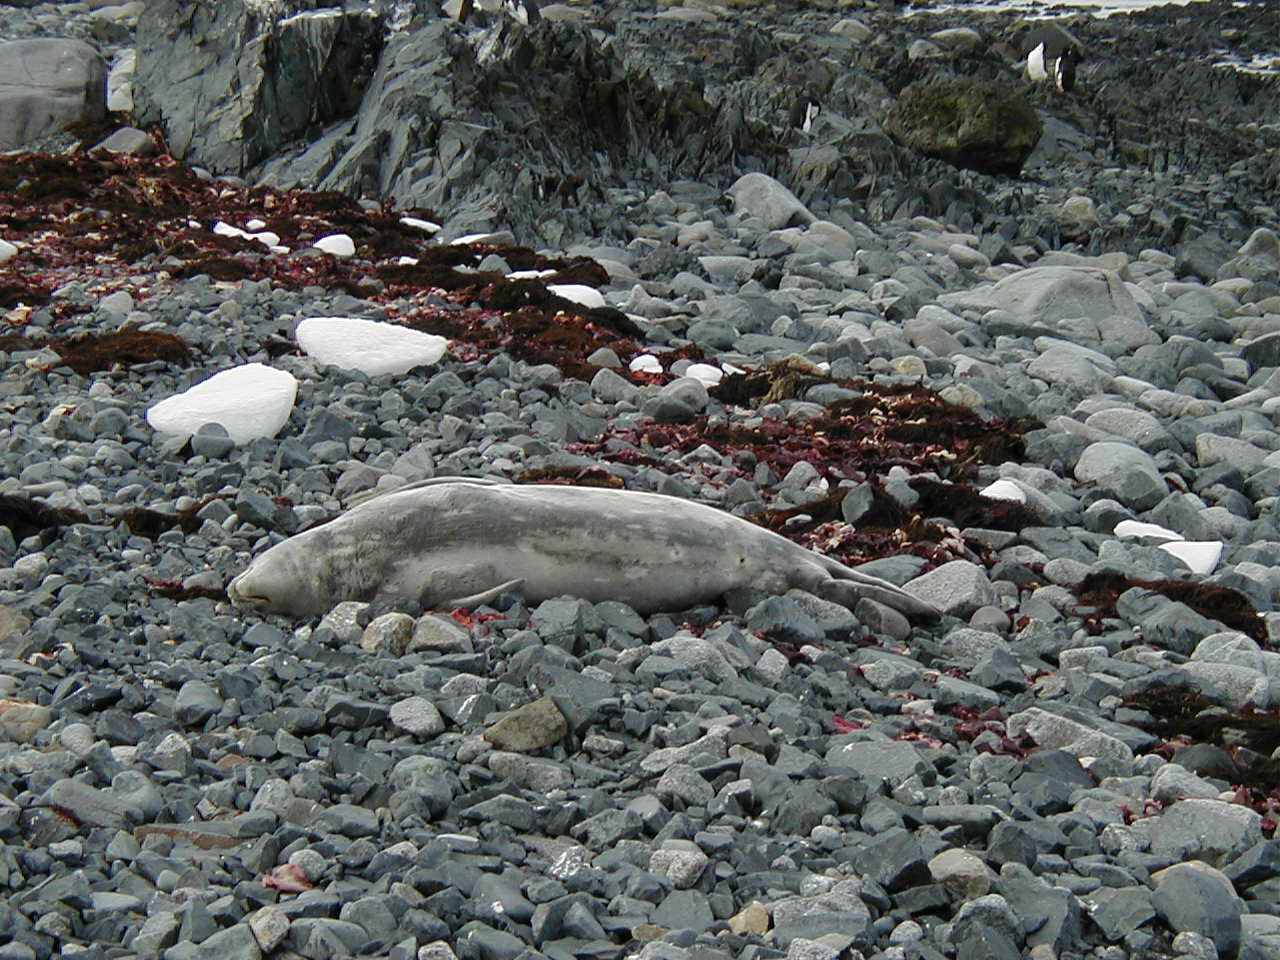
[460, 543]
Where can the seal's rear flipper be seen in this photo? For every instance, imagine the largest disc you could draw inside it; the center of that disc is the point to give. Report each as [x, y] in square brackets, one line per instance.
[847, 593]
[481, 598]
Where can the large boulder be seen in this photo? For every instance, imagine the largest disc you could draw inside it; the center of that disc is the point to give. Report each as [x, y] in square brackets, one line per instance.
[47, 85]
[233, 82]
[971, 123]
[1044, 296]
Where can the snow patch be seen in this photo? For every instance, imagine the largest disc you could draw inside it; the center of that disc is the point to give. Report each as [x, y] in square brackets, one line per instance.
[368, 346]
[338, 244]
[705, 372]
[1004, 490]
[426, 226]
[1136, 528]
[1201, 556]
[579, 293]
[250, 401]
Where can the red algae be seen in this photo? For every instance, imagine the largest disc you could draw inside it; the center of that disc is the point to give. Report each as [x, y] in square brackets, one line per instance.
[91, 352]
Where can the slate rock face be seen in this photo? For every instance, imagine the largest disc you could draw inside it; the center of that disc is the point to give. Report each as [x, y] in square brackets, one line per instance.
[970, 123]
[47, 85]
[232, 86]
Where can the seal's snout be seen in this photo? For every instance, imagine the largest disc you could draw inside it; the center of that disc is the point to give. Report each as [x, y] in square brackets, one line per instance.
[245, 592]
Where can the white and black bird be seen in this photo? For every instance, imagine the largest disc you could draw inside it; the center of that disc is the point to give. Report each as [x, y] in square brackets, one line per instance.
[804, 113]
[522, 11]
[1052, 55]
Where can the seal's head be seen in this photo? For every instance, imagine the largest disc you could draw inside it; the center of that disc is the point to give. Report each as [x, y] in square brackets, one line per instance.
[280, 580]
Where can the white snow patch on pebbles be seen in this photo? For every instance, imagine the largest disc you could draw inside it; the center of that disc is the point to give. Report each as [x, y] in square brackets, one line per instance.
[338, 244]
[1201, 556]
[530, 274]
[264, 237]
[426, 226]
[705, 372]
[7, 251]
[371, 347]
[579, 293]
[250, 401]
[1136, 528]
[645, 363]
[1004, 490]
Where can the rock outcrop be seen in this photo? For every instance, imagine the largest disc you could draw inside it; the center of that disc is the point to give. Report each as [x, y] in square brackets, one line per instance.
[47, 85]
[232, 84]
[969, 123]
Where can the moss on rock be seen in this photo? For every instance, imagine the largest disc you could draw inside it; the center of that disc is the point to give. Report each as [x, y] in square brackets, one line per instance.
[971, 123]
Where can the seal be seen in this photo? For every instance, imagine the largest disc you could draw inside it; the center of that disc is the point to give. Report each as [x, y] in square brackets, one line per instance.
[458, 542]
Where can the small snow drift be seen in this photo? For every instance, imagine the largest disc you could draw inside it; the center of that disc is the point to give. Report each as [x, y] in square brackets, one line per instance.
[251, 401]
[368, 346]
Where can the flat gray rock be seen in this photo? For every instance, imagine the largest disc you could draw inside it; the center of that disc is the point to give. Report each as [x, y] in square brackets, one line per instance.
[957, 588]
[1210, 830]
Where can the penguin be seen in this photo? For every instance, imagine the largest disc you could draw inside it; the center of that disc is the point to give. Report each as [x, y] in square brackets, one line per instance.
[804, 112]
[524, 12]
[1052, 55]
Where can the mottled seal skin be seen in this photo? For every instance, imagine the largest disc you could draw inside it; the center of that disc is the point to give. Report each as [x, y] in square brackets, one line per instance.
[461, 543]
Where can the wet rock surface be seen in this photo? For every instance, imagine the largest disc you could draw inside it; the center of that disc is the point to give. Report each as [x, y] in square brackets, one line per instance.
[1052, 419]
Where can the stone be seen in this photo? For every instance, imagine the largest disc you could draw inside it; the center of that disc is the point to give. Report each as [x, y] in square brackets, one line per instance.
[877, 761]
[961, 872]
[1045, 296]
[418, 717]
[127, 140]
[684, 910]
[957, 588]
[1117, 912]
[46, 85]
[764, 198]
[1210, 830]
[389, 632]
[1055, 732]
[530, 728]
[1125, 472]
[751, 919]
[21, 721]
[195, 703]
[438, 634]
[893, 859]
[680, 861]
[1078, 218]
[970, 123]
[270, 925]
[1190, 899]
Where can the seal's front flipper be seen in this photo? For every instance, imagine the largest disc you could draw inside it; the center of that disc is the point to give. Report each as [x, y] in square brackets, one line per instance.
[481, 598]
[847, 591]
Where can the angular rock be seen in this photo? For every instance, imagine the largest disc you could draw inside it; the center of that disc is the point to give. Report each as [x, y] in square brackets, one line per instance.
[957, 588]
[46, 85]
[971, 123]
[529, 728]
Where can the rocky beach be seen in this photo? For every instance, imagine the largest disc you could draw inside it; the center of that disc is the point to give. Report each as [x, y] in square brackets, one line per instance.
[1012, 349]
